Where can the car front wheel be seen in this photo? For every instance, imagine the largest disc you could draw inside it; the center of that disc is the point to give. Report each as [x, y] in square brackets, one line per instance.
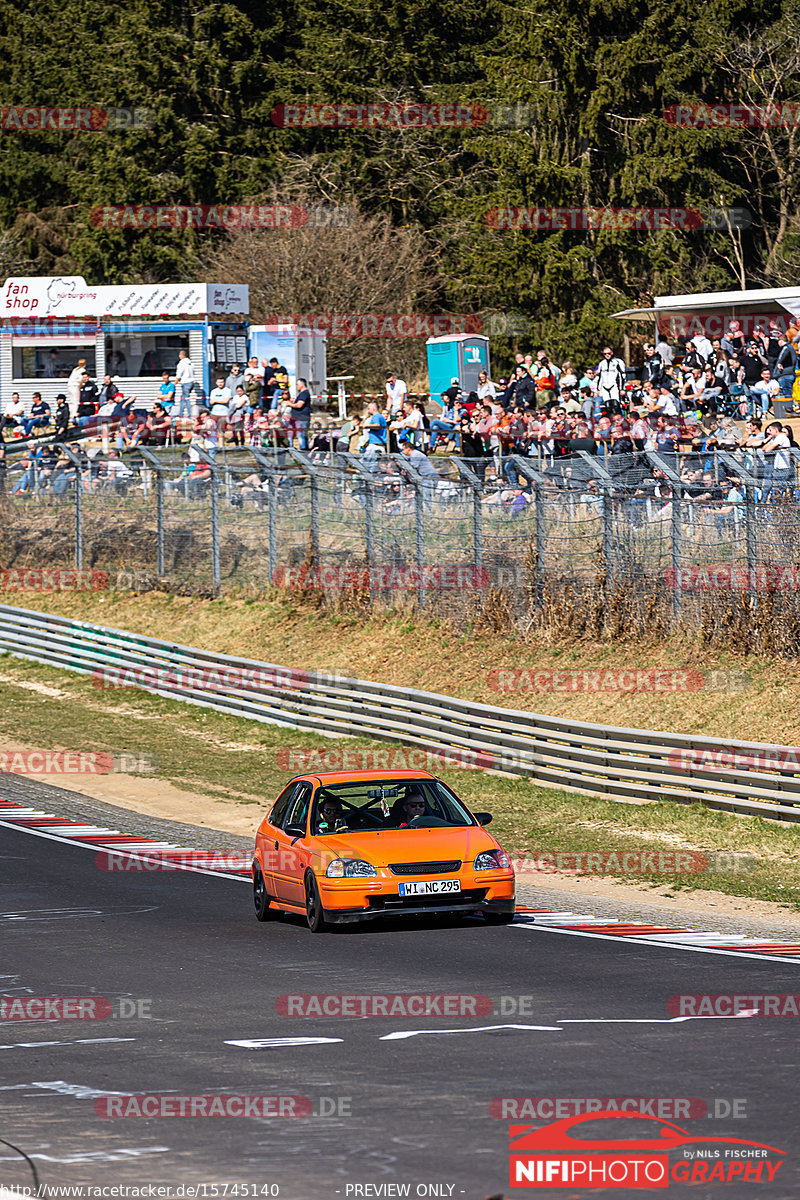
[315, 913]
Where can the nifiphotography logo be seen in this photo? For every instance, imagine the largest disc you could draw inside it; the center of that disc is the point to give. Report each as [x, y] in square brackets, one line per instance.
[630, 1150]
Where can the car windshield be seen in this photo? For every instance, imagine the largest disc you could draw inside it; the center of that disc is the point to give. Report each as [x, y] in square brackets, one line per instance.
[375, 804]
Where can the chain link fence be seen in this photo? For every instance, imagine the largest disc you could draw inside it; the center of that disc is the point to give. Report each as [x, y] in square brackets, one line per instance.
[454, 531]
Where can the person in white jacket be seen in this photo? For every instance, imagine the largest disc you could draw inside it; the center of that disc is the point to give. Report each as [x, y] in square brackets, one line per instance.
[74, 386]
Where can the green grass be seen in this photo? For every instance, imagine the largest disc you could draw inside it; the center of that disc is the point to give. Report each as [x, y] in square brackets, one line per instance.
[235, 760]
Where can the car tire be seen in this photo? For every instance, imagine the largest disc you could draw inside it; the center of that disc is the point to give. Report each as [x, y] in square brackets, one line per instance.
[315, 913]
[498, 918]
[261, 897]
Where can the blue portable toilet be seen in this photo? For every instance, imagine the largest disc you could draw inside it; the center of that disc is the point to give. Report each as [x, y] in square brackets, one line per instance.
[458, 356]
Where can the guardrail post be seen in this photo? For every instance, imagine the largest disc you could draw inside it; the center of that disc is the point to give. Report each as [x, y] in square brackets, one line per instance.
[607, 491]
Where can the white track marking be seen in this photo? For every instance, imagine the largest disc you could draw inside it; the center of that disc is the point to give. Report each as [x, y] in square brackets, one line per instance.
[403, 1034]
[276, 1043]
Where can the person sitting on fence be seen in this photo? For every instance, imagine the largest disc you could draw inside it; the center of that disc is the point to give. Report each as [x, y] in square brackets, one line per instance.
[39, 417]
[30, 466]
[134, 431]
[15, 412]
[260, 435]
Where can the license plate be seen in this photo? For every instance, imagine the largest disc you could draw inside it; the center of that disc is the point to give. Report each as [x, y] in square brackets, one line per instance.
[430, 887]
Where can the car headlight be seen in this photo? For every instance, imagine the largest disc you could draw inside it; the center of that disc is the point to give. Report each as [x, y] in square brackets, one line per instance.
[490, 860]
[347, 868]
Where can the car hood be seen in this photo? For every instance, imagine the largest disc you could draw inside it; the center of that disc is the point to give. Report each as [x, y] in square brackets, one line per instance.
[410, 845]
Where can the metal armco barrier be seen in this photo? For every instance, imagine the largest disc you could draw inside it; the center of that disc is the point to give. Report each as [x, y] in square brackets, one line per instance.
[596, 760]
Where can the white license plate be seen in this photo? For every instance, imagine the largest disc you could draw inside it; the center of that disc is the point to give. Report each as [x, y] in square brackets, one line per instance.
[430, 887]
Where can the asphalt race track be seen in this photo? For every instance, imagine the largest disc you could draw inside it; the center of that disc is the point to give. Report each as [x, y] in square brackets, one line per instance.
[202, 973]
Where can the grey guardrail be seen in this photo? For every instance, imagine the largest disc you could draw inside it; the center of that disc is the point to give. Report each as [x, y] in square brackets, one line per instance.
[752, 778]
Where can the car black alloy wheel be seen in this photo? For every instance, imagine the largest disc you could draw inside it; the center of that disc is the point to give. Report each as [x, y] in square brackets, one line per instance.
[315, 914]
[261, 897]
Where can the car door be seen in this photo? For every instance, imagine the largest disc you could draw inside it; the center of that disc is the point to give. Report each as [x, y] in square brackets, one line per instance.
[270, 831]
[293, 853]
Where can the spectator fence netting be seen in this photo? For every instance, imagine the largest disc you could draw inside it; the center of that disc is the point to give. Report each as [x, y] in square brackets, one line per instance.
[461, 528]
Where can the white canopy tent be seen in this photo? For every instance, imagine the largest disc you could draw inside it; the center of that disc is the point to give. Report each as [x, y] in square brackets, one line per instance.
[709, 312]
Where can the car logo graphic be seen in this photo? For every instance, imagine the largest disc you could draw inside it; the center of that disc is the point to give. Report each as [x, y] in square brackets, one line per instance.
[565, 1154]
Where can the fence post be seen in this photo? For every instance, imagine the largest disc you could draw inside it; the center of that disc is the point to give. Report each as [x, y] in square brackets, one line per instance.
[78, 504]
[216, 573]
[419, 520]
[156, 465]
[263, 459]
[540, 529]
[368, 479]
[676, 525]
[313, 474]
[750, 484]
[607, 490]
[476, 486]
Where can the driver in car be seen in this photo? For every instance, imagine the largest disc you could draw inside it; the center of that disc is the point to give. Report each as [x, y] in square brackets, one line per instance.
[331, 817]
[413, 806]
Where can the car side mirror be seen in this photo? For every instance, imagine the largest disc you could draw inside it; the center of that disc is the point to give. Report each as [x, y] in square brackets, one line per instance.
[295, 831]
[483, 818]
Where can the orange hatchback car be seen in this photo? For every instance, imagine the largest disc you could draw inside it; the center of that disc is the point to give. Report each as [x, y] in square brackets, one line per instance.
[349, 846]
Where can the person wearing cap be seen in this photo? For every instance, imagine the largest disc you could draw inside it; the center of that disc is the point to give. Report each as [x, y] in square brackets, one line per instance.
[61, 417]
[453, 393]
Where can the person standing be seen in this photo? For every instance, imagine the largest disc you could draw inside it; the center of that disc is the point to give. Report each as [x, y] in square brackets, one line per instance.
[396, 392]
[301, 413]
[74, 386]
[184, 379]
[611, 379]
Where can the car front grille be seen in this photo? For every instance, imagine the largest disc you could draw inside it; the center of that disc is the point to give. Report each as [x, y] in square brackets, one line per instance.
[449, 900]
[426, 868]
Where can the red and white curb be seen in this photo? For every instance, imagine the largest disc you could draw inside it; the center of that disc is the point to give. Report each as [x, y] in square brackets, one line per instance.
[94, 837]
[609, 928]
